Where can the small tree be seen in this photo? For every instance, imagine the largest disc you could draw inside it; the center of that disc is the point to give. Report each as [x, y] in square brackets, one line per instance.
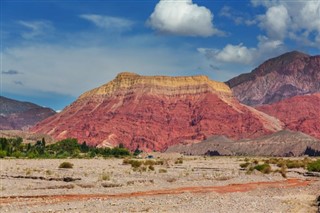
[84, 147]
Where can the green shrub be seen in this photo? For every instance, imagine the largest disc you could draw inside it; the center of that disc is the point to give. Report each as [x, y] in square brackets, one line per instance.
[295, 164]
[17, 154]
[314, 166]
[3, 153]
[264, 168]
[66, 165]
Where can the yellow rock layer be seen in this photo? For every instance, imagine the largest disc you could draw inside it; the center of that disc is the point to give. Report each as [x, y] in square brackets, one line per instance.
[127, 80]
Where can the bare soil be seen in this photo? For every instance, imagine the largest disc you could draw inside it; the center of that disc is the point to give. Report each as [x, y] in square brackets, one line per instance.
[199, 184]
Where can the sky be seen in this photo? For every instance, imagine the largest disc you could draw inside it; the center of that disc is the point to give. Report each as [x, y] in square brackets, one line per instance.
[53, 51]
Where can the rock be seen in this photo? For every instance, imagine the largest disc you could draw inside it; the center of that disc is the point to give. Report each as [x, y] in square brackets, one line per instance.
[285, 76]
[155, 112]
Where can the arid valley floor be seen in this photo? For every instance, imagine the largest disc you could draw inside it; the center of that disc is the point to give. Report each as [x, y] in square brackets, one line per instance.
[195, 184]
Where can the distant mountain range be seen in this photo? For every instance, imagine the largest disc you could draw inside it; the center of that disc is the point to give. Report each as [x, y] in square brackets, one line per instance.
[18, 115]
[157, 112]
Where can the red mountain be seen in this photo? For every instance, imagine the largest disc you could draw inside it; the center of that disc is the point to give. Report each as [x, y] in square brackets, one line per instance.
[299, 113]
[285, 76]
[154, 112]
[17, 115]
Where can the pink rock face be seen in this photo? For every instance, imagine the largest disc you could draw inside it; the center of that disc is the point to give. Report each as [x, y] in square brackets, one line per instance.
[288, 75]
[151, 116]
[300, 113]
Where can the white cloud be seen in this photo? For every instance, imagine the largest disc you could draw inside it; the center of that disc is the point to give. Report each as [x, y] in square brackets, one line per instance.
[182, 17]
[36, 28]
[232, 60]
[240, 54]
[297, 20]
[275, 22]
[230, 53]
[109, 23]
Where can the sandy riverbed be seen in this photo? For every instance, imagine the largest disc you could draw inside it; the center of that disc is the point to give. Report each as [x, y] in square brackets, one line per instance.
[197, 185]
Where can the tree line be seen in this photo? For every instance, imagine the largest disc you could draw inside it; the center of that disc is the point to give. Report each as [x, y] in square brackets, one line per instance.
[14, 147]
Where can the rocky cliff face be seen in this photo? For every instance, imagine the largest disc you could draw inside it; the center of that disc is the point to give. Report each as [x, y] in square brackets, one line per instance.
[154, 112]
[300, 113]
[288, 75]
[17, 115]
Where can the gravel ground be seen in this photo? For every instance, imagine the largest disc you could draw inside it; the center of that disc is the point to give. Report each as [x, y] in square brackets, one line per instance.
[105, 185]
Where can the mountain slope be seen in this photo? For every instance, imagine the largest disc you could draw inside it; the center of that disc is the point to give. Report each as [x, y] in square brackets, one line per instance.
[17, 115]
[282, 143]
[299, 113]
[285, 76]
[154, 112]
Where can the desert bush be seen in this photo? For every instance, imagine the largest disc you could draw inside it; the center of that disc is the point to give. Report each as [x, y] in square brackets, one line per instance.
[126, 161]
[49, 172]
[314, 166]
[246, 159]
[244, 165]
[171, 180]
[149, 162]
[66, 165]
[264, 168]
[282, 171]
[179, 161]
[163, 171]
[295, 164]
[105, 176]
[151, 167]
[135, 163]
[28, 171]
[255, 161]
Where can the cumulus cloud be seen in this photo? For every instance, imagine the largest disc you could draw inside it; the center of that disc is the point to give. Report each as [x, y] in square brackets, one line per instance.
[233, 59]
[298, 20]
[109, 23]
[240, 54]
[275, 22]
[230, 53]
[36, 28]
[182, 17]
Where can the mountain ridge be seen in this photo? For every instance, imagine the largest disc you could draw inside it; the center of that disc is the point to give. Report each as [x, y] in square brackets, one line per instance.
[21, 115]
[278, 78]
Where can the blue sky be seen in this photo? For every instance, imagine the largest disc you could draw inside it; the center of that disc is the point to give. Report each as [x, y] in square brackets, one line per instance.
[53, 51]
